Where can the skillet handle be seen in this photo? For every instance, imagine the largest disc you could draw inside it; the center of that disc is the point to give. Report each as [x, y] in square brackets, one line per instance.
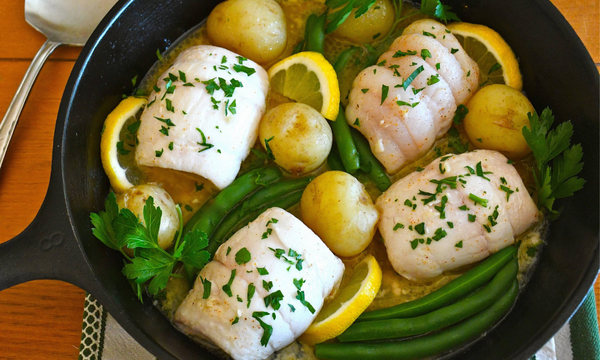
[47, 248]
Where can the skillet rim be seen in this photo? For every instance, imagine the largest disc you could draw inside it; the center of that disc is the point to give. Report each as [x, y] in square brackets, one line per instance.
[568, 309]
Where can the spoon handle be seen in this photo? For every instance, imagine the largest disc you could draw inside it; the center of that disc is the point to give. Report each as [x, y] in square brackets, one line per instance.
[9, 123]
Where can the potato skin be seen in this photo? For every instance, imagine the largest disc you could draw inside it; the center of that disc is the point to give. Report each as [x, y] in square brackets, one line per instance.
[339, 210]
[301, 136]
[255, 29]
[135, 198]
[497, 115]
[377, 20]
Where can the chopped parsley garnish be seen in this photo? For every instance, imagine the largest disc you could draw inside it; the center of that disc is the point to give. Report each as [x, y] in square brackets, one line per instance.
[274, 299]
[272, 221]
[199, 187]
[203, 143]
[442, 207]
[384, 92]
[459, 114]
[182, 76]
[266, 234]
[163, 130]
[188, 207]
[242, 256]
[364, 91]
[292, 308]
[398, 226]
[267, 329]
[268, 148]
[207, 285]
[453, 51]
[495, 67]
[303, 301]
[420, 228]
[171, 146]
[241, 68]
[439, 234]
[227, 287]
[450, 224]
[507, 190]
[463, 208]
[428, 34]
[437, 66]
[121, 148]
[459, 244]
[166, 121]
[472, 217]
[479, 171]
[401, 53]
[228, 250]
[434, 79]
[262, 271]
[158, 153]
[425, 54]
[211, 86]
[412, 76]
[455, 142]
[477, 200]
[381, 63]
[235, 321]
[416, 91]
[267, 285]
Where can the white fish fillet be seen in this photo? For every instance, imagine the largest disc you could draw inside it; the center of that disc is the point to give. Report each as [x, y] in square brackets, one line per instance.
[229, 133]
[404, 126]
[211, 318]
[450, 238]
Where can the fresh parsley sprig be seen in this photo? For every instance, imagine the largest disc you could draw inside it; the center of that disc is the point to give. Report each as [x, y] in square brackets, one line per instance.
[120, 228]
[552, 146]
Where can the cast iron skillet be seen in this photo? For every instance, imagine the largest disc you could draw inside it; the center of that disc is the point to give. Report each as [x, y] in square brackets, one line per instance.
[558, 72]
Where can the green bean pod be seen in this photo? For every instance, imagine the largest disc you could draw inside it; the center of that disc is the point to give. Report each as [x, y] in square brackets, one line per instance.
[283, 194]
[334, 160]
[315, 33]
[343, 58]
[424, 346]
[212, 212]
[438, 319]
[345, 143]
[448, 293]
[369, 163]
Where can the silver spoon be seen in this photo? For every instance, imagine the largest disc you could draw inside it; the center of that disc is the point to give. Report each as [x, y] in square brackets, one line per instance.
[69, 22]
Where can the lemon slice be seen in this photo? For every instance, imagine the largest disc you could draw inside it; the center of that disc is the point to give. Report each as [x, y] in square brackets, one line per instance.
[352, 299]
[496, 60]
[309, 78]
[118, 142]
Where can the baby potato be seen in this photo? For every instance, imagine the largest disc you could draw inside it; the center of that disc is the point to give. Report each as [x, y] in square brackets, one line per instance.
[339, 210]
[497, 115]
[298, 136]
[135, 198]
[364, 29]
[255, 29]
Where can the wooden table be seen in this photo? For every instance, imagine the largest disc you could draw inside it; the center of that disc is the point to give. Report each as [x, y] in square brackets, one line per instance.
[42, 319]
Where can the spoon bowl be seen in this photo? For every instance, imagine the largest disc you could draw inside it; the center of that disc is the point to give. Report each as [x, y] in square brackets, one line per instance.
[63, 22]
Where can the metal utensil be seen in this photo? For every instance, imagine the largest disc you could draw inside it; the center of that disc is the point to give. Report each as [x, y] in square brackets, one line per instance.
[68, 22]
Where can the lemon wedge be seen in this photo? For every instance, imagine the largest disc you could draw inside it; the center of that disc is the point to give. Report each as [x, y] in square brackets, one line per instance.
[496, 60]
[118, 142]
[308, 78]
[351, 300]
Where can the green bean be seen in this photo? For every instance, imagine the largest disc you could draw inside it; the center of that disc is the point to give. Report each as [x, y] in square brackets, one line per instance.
[345, 143]
[438, 319]
[315, 33]
[369, 163]
[427, 345]
[212, 212]
[237, 219]
[343, 58]
[334, 160]
[448, 293]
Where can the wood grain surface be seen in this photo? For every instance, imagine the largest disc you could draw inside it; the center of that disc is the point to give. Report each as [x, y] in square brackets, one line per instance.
[42, 319]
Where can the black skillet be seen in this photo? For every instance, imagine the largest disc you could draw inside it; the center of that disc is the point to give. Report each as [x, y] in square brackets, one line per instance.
[558, 72]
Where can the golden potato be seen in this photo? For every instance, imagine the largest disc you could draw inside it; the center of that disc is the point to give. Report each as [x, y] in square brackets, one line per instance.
[497, 115]
[298, 136]
[255, 29]
[135, 198]
[364, 29]
[339, 210]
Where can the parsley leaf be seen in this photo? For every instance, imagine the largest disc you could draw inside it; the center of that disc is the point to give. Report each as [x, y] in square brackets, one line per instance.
[559, 180]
